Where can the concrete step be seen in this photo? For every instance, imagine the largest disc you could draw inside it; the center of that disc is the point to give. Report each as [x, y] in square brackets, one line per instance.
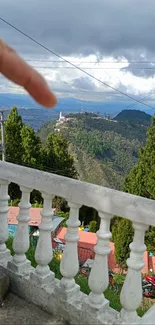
[17, 311]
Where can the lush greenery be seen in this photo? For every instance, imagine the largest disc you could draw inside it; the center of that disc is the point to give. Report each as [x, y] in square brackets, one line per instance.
[104, 150]
[140, 181]
[81, 280]
[24, 147]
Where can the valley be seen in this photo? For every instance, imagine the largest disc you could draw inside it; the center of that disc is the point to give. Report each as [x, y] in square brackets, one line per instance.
[104, 150]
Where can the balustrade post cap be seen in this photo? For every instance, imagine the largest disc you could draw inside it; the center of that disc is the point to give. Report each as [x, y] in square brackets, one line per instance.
[3, 182]
[47, 196]
[105, 215]
[139, 226]
[74, 205]
[25, 189]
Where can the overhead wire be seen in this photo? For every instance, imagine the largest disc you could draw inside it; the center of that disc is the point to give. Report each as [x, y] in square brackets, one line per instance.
[144, 98]
[72, 64]
[91, 62]
[87, 68]
[36, 166]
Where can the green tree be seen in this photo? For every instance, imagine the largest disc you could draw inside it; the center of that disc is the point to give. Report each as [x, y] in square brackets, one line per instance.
[141, 179]
[56, 157]
[24, 147]
[122, 233]
[14, 148]
[32, 147]
[93, 226]
[13, 140]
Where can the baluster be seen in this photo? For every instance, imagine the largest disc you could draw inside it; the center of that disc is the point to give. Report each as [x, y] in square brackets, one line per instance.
[44, 252]
[4, 252]
[20, 264]
[69, 265]
[99, 275]
[131, 294]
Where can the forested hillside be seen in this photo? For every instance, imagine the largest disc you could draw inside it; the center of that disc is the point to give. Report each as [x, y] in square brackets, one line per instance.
[104, 150]
[133, 115]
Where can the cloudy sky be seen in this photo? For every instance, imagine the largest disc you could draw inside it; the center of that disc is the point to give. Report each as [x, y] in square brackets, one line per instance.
[113, 40]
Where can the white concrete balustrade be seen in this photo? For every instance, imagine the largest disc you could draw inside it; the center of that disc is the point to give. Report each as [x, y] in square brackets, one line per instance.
[99, 276]
[20, 263]
[69, 265]
[4, 252]
[64, 297]
[44, 252]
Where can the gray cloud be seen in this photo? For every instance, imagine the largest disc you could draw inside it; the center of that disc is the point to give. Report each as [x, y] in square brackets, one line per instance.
[83, 83]
[144, 70]
[118, 28]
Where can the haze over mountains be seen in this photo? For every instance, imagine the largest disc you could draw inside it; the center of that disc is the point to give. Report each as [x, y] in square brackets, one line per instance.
[68, 104]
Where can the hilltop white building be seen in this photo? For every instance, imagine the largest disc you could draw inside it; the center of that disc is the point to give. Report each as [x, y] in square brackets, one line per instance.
[61, 119]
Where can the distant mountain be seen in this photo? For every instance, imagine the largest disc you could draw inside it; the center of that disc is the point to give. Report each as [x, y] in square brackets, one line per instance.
[104, 150]
[133, 115]
[68, 105]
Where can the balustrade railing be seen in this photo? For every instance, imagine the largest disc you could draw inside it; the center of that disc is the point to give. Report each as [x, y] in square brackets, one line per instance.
[108, 203]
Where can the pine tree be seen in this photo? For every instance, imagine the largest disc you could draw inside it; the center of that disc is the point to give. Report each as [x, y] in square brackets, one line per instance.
[141, 179]
[56, 157]
[14, 148]
[32, 147]
[13, 140]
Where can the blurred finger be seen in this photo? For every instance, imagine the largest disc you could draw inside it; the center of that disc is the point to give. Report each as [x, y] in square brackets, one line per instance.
[18, 71]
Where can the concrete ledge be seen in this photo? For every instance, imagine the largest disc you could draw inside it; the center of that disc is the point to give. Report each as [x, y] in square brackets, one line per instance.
[51, 300]
[19, 312]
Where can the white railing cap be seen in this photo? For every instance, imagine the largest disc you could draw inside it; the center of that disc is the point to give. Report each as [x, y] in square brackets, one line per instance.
[101, 198]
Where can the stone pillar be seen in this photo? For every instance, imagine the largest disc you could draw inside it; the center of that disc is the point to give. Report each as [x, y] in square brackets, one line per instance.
[44, 253]
[131, 294]
[69, 265]
[4, 252]
[99, 275]
[20, 264]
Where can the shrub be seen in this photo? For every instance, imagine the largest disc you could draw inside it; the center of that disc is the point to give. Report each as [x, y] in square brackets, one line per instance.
[93, 226]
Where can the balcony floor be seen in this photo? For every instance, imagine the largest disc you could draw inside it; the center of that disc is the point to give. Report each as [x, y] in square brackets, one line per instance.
[17, 311]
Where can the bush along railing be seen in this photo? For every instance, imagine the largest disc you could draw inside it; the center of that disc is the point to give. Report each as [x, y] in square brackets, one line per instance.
[74, 306]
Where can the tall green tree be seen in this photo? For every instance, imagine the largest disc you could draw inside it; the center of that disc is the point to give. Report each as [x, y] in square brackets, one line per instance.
[32, 147]
[14, 148]
[13, 140]
[141, 179]
[32, 156]
[56, 156]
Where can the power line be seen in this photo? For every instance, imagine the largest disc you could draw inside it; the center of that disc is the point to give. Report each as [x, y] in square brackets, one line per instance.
[36, 166]
[92, 62]
[88, 68]
[144, 98]
[72, 64]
